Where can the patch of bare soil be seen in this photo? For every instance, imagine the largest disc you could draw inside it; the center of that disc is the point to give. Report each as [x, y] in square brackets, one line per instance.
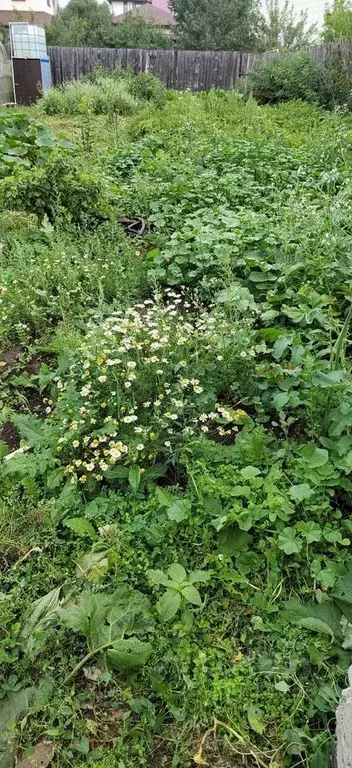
[33, 367]
[9, 435]
[35, 402]
[9, 358]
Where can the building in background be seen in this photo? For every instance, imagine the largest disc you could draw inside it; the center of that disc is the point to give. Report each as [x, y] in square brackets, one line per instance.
[153, 11]
[32, 11]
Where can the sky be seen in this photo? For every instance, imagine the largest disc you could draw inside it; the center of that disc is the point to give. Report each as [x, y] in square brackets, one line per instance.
[315, 9]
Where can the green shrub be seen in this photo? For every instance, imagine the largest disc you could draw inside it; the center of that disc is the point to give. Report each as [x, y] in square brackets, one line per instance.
[290, 77]
[103, 95]
[103, 92]
[57, 187]
[53, 102]
[148, 87]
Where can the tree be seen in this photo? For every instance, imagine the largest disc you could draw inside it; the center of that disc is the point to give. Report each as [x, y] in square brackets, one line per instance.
[284, 29]
[338, 22]
[82, 22]
[89, 23]
[218, 24]
[135, 32]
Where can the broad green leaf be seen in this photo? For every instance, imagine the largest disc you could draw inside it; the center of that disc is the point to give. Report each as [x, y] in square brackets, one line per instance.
[44, 140]
[117, 473]
[109, 531]
[332, 535]
[129, 654]
[30, 429]
[13, 159]
[329, 379]
[255, 718]
[169, 604]
[42, 614]
[177, 573]
[197, 577]
[191, 594]
[165, 498]
[260, 277]
[314, 456]
[288, 541]
[280, 400]
[19, 150]
[159, 577]
[282, 686]
[310, 531]
[249, 473]
[55, 478]
[81, 526]
[301, 492]
[212, 506]
[42, 609]
[280, 346]
[158, 470]
[178, 511]
[129, 612]
[93, 565]
[134, 478]
[232, 540]
[89, 608]
[325, 613]
[316, 625]
[219, 522]
[81, 745]
[326, 698]
[105, 618]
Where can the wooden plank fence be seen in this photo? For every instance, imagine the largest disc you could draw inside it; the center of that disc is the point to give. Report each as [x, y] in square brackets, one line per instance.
[181, 70]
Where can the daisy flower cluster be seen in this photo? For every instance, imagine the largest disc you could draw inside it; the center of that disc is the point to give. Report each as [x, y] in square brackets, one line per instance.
[140, 385]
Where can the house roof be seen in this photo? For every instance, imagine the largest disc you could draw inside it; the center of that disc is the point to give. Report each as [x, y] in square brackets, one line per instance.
[33, 17]
[151, 14]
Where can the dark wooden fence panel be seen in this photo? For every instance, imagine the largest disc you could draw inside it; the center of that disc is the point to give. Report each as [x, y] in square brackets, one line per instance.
[192, 70]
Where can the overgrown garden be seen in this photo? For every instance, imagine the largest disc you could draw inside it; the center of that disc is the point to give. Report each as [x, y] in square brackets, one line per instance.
[175, 427]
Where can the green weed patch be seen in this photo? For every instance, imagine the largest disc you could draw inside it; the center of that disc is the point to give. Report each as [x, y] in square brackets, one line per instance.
[175, 438]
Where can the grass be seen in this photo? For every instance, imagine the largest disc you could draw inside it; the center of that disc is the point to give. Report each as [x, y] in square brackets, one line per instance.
[175, 519]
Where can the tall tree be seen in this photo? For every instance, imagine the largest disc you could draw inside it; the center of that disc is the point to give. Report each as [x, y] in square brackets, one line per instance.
[89, 23]
[218, 24]
[284, 29]
[135, 32]
[338, 22]
[82, 22]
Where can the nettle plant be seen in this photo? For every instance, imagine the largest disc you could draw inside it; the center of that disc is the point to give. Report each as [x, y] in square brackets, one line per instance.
[180, 590]
[145, 381]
